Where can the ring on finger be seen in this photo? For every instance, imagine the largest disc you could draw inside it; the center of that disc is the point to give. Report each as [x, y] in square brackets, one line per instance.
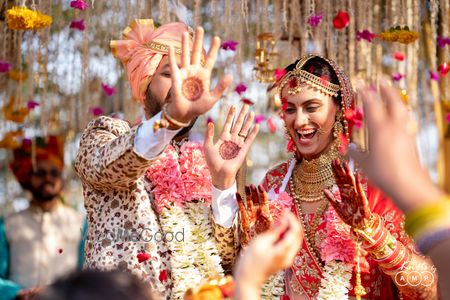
[242, 135]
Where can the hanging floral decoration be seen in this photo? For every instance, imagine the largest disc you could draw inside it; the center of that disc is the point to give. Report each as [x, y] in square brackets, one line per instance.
[31, 104]
[17, 75]
[5, 66]
[314, 20]
[399, 34]
[11, 140]
[397, 76]
[398, 56]
[229, 45]
[22, 18]
[109, 90]
[341, 20]
[444, 69]
[240, 88]
[78, 4]
[78, 24]
[434, 76]
[443, 41]
[365, 35]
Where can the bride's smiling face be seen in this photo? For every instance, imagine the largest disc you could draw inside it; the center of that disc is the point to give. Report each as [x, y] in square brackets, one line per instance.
[309, 116]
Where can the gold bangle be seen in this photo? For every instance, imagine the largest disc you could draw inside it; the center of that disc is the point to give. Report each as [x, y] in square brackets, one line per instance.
[172, 120]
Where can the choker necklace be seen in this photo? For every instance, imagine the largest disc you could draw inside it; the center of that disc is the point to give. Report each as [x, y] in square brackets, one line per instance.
[311, 177]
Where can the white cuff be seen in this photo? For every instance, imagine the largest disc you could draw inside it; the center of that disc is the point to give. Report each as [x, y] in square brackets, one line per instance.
[224, 205]
[150, 144]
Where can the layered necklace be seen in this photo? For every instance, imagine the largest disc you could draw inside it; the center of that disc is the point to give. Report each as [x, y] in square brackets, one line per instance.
[308, 181]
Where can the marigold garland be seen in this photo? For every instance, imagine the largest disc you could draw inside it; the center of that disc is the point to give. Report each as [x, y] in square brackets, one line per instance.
[22, 18]
[398, 34]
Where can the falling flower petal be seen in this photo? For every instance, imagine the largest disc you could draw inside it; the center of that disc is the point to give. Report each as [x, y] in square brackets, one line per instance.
[109, 90]
[96, 111]
[163, 275]
[247, 101]
[209, 120]
[343, 143]
[271, 124]
[279, 73]
[4, 66]
[229, 45]
[365, 35]
[443, 69]
[78, 4]
[341, 20]
[60, 250]
[143, 257]
[447, 118]
[397, 76]
[399, 56]
[240, 88]
[259, 119]
[434, 76]
[314, 20]
[77, 24]
[32, 104]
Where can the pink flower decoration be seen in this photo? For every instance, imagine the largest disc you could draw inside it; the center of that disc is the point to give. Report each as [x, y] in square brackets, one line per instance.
[341, 20]
[259, 119]
[343, 143]
[271, 124]
[109, 90]
[399, 56]
[209, 120]
[5, 66]
[77, 24]
[279, 73]
[447, 118]
[78, 4]
[240, 88]
[365, 35]
[32, 104]
[247, 101]
[314, 20]
[354, 117]
[282, 202]
[143, 257]
[338, 244]
[397, 76]
[434, 76]
[443, 41]
[180, 178]
[229, 45]
[443, 69]
[96, 111]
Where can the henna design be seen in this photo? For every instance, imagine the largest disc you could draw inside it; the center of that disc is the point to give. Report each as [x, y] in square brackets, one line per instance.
[353, 208]
[229, 150]
[192, 88]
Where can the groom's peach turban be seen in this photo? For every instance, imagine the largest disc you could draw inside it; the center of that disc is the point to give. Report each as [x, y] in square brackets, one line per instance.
[141, 49]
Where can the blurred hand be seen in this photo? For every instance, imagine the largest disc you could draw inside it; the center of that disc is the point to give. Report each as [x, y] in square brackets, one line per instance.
[254, 218]
[191, 93]
[270, 252]
[392, 162]
[226, 156]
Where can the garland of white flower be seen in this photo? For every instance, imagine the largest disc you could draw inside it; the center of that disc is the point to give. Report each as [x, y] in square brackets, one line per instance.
[196, 258]
[335, 283]
[273, 288]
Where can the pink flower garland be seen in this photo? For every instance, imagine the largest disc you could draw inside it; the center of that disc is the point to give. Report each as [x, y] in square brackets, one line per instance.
[180, 178]
[282, 202]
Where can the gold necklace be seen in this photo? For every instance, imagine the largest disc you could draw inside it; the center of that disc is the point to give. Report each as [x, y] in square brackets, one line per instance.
[311, 177]
[310, 232]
